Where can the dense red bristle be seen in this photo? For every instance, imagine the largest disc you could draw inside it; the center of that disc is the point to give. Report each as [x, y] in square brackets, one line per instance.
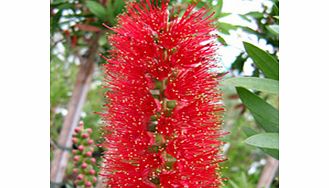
[163, 114]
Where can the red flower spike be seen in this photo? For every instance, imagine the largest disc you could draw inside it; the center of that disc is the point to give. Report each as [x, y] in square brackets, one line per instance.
[164, 110]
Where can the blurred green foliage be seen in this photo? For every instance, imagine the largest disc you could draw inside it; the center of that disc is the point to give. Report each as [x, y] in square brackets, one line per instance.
[74, 22]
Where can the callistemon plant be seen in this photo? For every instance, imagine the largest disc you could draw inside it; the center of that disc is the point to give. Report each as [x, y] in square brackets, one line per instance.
[82, 156]
[164, 107]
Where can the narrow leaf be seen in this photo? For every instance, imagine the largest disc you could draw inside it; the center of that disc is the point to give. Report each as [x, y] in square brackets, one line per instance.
[264, 140]
[260, 84]
[97, 9]
[110, 11]
[272, 152]
[221, 40]
[218, 8]
[265, 114]
[224, 14]
[226, 27]
[249, 131]
[263, 61]
[255, 14]
[274, 29]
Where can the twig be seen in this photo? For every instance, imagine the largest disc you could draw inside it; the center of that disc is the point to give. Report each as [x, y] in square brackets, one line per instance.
[268, 173]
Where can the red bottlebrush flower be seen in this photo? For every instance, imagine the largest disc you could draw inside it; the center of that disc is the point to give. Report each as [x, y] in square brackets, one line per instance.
[164, 113]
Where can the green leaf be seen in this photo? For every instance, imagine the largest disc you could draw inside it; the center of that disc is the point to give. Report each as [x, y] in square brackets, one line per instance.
[265, 114]
[255, 14]
[249, 131]
[221, 40]
[275, 10]
[224, 14]
[226, 27]
[218, 8]
[234, 185]
[97, 9]
[109, 10]
[274, 29]
[263, 61]
[272, 152]
[260, 84]
[118, 7]
[264, 140]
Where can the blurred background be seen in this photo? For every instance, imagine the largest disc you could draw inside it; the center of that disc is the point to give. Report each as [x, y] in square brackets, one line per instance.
[78, 37]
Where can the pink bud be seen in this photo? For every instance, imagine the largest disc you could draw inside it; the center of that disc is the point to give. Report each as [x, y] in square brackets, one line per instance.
[75, 140]
[85, 135]
[84, 165]
[89, 130]
[75, 170]
[88, 184]
[77, 130]
[90, 141]
[89, 153]
[93, 160]
[74, 151]
[76, 158]
[80, 148]
[94, 179]
[81, 124]
[80, 177]
[92, 172]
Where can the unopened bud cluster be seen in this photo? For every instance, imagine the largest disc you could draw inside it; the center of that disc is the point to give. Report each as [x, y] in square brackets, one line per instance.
[82, 157]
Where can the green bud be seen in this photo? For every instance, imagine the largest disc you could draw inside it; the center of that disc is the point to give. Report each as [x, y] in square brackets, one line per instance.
[171, 104]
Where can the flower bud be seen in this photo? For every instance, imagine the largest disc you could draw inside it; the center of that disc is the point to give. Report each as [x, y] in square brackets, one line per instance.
[89, 130]
[90, 141]
[80, 148]
[77, 130]
[76, 158]
[93, 160]
[89, 153]
[81, 124]
[94, 179]
[74, 151]
[75, 170]
[75, 140]
[84, 165]
[92, 172]
[85, 135]
[80, 177]
[88, 184]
